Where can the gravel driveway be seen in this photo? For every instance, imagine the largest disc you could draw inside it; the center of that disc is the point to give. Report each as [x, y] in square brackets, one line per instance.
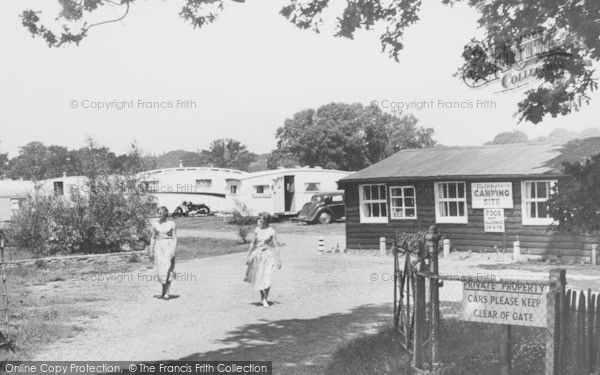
[319, 303]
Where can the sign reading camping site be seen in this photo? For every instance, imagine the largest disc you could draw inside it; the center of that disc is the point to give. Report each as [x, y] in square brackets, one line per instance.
[518, 304]
[492, 195]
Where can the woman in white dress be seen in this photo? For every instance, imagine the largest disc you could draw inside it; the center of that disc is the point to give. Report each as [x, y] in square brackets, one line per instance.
[162, 250]
[264, 252]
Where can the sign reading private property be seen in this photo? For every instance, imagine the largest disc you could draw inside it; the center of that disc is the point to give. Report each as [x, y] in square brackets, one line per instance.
[505, 303]
[493, 220]
[492, 194]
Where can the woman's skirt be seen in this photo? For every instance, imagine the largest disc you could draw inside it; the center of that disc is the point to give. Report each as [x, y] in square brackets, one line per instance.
[164, 259]
[260, 269]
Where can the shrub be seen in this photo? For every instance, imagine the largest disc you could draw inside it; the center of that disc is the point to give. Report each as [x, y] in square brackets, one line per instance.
[243, 219]
[99, 217]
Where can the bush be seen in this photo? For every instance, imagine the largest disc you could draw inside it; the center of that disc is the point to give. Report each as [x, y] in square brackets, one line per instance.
[103, 216]
[243, 219]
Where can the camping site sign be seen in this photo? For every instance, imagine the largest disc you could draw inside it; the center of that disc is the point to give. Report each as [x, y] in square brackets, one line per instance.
[492, 194]
[518, 304]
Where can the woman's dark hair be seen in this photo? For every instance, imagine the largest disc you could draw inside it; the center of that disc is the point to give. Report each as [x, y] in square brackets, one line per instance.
[162, 208]
[265, 217]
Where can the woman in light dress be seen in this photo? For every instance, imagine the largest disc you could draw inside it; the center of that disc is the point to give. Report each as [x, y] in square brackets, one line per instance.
[162, 250]
[264, 252]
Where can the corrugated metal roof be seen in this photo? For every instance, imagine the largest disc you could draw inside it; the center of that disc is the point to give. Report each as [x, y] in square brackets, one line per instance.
[523, 159]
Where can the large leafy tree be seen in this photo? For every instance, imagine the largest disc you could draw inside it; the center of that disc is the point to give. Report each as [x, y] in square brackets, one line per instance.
[228, 153]
[576, 203]
[346, 136]
[566, 77]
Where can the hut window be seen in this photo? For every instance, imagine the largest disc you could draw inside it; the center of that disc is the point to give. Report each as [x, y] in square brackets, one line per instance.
[403, 204]
[261, 191]
[535, 196]
[233, 189]
[450, 202]
[15, 204]
[59, 188]
[373, 204]
[200, 184]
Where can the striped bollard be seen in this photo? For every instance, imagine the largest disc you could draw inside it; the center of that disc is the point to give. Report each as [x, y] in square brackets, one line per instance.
[321, 245]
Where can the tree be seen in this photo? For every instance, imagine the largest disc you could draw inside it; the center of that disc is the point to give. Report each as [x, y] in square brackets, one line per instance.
[515, 136]
[567, 72]
[30, 163]
[575, 205]
[229, 153]
[346, 136]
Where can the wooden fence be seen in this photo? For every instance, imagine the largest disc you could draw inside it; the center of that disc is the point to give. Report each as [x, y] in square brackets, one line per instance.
[580, 314]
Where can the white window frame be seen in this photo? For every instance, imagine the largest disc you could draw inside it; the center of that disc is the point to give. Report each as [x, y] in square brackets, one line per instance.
[265, 194]
[12, 204]
[450, 219]
[524, 200]
[403, 198]
[362, 201]
[207, 182]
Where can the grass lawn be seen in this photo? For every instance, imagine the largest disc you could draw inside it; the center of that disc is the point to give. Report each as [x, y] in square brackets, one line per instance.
[39, 315]
[466, 348]
[217, 224]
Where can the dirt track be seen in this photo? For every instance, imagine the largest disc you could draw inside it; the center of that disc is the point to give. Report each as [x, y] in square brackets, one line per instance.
[319, 302]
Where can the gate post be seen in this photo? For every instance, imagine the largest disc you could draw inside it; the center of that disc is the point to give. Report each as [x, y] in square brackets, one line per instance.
[419, 333]
[433, 239]
[556, 324]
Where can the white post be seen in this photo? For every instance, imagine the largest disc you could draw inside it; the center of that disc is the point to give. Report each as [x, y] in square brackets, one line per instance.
[516, 251]
[446, 248]
[381, 246]
[321, 245]
[594, 255]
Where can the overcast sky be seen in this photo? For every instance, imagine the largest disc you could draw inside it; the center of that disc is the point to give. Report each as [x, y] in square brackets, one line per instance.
[246, 73]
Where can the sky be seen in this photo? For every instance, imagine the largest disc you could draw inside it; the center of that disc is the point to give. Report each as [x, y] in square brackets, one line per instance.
[246, 74]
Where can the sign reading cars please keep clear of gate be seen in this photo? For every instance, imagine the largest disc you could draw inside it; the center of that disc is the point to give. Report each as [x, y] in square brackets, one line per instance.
[505, 303]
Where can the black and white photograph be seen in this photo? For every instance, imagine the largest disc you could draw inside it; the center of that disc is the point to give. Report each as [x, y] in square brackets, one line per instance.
[300, 187]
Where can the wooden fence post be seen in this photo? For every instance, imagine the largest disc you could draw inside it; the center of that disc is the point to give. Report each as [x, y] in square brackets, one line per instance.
[420, 315]
[433, 239]
[506, 349]
[553, 333]
[396, 275]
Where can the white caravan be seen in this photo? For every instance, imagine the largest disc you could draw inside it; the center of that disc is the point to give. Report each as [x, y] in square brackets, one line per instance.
[198, 185]
[281, 191]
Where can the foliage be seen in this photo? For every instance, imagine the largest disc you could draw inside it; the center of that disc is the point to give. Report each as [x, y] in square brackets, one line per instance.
[567, 72]
[243, 219]
[515, 136]
[346, 136]
[575, 204]
[103, 214]
[229, 153]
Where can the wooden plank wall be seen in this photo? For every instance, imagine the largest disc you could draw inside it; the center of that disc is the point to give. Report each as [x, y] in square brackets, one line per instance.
[534, 240]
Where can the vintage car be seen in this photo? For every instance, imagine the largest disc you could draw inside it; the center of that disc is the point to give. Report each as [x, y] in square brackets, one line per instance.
[324, 208]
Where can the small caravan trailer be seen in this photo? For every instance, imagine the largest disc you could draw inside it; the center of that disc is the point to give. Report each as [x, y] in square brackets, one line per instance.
[198, 185]
[281, 191]
[12, 194]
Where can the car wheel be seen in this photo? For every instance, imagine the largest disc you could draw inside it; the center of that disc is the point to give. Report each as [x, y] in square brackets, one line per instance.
[178, 212]
[204, 210]
[325, 218]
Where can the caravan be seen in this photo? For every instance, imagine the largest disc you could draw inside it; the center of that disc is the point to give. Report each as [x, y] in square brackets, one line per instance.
[281, 192]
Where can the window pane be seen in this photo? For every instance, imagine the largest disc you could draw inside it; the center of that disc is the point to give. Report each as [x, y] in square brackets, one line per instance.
[397, 213]
[461, 190]
[382, 193]
[409, 202]
[452, 191]
[367, 192]
[367, 210]
[453, 209]
[396, 192]
[542, 191]
[461, 209]
[443, 208]
[383, 209]
[396, 202]
[542, 210]
[530, 189]
[441, 191]
[374, 192]
[409, 192]
[410, 212]
[531, 210]
[375, 208]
